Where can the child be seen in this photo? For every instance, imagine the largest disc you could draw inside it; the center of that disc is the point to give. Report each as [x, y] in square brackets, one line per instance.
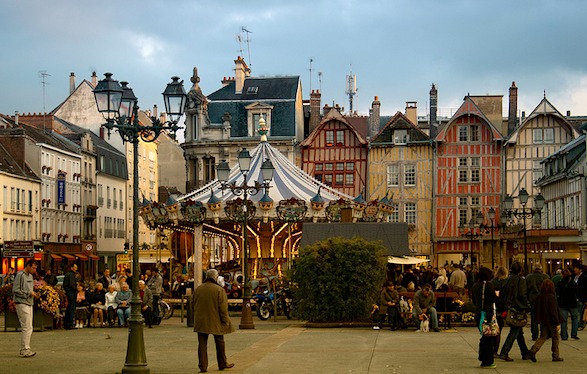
[81, 310]
[548, 316]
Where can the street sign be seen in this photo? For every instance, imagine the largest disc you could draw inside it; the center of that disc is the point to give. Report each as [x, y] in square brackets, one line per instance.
[18, 248]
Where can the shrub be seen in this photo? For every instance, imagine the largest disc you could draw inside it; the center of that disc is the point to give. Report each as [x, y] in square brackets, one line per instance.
[338, 279]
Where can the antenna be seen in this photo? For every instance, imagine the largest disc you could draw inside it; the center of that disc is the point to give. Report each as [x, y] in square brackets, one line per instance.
[320, 80]
[351, 88]
[43, 75]
[244, 28]
[311, 60]
[239, 39]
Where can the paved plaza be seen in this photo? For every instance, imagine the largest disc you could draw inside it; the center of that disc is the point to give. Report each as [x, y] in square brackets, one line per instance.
[278, 347]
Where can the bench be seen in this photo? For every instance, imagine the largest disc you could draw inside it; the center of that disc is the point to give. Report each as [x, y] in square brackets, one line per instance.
[446, 316]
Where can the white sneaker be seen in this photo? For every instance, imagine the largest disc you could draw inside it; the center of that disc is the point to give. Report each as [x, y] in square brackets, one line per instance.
[27, 353]
[376, 328]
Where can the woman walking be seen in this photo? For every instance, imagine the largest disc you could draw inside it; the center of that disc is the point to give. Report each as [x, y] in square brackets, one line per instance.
[548, 316]
[483, 297]
[566, 294]
[501, 274]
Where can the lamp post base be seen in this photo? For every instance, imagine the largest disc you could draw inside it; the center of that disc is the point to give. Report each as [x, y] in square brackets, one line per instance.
[136, 359]
[246, 316]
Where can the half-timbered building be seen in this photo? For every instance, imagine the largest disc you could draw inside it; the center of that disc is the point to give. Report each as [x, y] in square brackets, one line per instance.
[467, 181]
[335, 153]
[400, 166]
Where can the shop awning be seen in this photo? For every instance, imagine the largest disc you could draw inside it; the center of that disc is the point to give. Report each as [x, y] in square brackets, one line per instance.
[68, 256]
[81, 257]
[38, 256]
[405, 260]
[94, 257]
[151, 260]
[56, 257]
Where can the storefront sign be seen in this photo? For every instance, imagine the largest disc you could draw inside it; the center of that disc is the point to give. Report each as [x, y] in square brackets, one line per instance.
[123, 262]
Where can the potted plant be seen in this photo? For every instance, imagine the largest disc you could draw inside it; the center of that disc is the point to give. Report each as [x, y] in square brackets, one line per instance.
[46, 306]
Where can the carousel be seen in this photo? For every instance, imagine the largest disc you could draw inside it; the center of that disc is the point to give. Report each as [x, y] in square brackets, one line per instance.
[252, 216]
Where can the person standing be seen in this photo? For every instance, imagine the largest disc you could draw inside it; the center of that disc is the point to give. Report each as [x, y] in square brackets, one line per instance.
[533, 283]
[458, 280]
[70, 288]
[155, 284]
[501, 275]
[581, 280]
[211, 317]
[514, 295]
[566, 292]
[50, 278]
[24, 296]
[483, 297]
[105, 279]
[548, 317]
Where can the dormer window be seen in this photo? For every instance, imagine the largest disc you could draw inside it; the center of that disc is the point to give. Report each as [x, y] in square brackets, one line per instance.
[254, 113]
[252, 90]
[400, 136]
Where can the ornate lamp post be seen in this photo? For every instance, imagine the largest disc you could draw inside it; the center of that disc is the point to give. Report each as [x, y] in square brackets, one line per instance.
[119, 106]
[469, 231]
[523, 212]
[242, 211]
[492, 228]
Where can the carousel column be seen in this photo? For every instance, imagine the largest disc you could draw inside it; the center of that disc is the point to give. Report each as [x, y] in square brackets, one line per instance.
[197, 256]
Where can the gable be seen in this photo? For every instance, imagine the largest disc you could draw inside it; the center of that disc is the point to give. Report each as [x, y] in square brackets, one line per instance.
[400, 122]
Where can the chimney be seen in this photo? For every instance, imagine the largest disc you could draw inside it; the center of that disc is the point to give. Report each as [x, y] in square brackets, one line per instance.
[226, 81]
[326, 110]
[375, 117]
[315, 97]
[16, 115]
[241, 72]
[155, 110]
[568, 113]
[71, 82]
[94, 79]
[513, 109]
[412, 111]
[433, 112]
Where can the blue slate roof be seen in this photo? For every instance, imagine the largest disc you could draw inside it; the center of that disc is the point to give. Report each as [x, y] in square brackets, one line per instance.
[279, 92]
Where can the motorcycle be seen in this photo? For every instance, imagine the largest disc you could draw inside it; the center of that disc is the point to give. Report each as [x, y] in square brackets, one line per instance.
[267, 301]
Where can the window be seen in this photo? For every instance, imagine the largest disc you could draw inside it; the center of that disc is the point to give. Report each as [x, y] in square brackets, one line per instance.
[537, 136]
[462, 201]
[475, 200]
[475, 175]
[394, 217]
[474, 133]
[393, 175]
[252, 90]
[350, 166]
[340, 138]
[463, 134]
[340, 166]
[349, 179]
[400, 136]
[319, 167]
[463, 176]
[410, 175]
[209, 169]
[410, 213]
[328, 179]
[339, 179]
[195, 127]
[329, 138]
[536, 170]
[548, 136]
[328, 167]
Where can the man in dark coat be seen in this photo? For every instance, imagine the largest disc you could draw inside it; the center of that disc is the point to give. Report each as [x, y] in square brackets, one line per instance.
[70, 289]
[514, 296]
[548, 316]
[211, 317]
[581, 280]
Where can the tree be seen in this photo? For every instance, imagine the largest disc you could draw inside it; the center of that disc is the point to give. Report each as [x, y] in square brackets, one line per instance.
[338, 279]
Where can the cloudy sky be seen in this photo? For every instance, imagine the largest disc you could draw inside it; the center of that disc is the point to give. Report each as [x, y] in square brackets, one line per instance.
[396, 48]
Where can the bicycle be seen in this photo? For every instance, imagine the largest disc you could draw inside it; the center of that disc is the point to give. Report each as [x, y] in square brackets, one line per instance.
[165, 310]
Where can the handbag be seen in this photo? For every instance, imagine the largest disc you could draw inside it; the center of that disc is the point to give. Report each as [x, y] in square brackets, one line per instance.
[490, 328]
[516, 318]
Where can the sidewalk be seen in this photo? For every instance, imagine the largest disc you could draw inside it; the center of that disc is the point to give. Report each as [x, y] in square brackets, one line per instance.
[285, 346]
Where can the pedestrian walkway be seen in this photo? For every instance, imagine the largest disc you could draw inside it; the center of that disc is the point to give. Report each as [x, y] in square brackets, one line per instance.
[285, 346]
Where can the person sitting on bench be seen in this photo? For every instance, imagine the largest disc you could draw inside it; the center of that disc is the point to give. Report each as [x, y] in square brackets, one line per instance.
[424, 304]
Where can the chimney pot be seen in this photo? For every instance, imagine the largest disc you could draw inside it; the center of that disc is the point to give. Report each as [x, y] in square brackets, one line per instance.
[71, 82]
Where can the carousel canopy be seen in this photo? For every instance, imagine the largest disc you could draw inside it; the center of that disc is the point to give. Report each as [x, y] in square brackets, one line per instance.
[393, 236]
[289, 181]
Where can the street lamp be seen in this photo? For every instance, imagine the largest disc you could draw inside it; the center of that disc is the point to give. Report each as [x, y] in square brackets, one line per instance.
[469, 231]
[492, 227]
[119, 107]
[523, 212]
[242, 211]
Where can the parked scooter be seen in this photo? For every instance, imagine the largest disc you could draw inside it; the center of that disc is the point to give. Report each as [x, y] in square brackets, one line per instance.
[266, 303]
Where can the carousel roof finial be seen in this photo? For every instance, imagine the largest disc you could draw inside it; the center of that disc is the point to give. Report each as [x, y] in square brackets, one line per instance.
[263, 129]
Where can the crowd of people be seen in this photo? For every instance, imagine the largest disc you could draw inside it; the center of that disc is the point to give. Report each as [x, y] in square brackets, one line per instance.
[548, 302]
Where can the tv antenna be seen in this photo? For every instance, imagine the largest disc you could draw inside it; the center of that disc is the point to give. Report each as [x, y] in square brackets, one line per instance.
[43, 75]
[351, 88]
[248, 40]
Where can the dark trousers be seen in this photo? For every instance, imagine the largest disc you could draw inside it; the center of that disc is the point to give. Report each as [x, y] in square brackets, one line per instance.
[486, 350]
[156, 307]
[515, 334]
[392, 318]
[497, 339]
[147, 316]
[111, 315]
[533, 324]
[70, 311]
[203, 351]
